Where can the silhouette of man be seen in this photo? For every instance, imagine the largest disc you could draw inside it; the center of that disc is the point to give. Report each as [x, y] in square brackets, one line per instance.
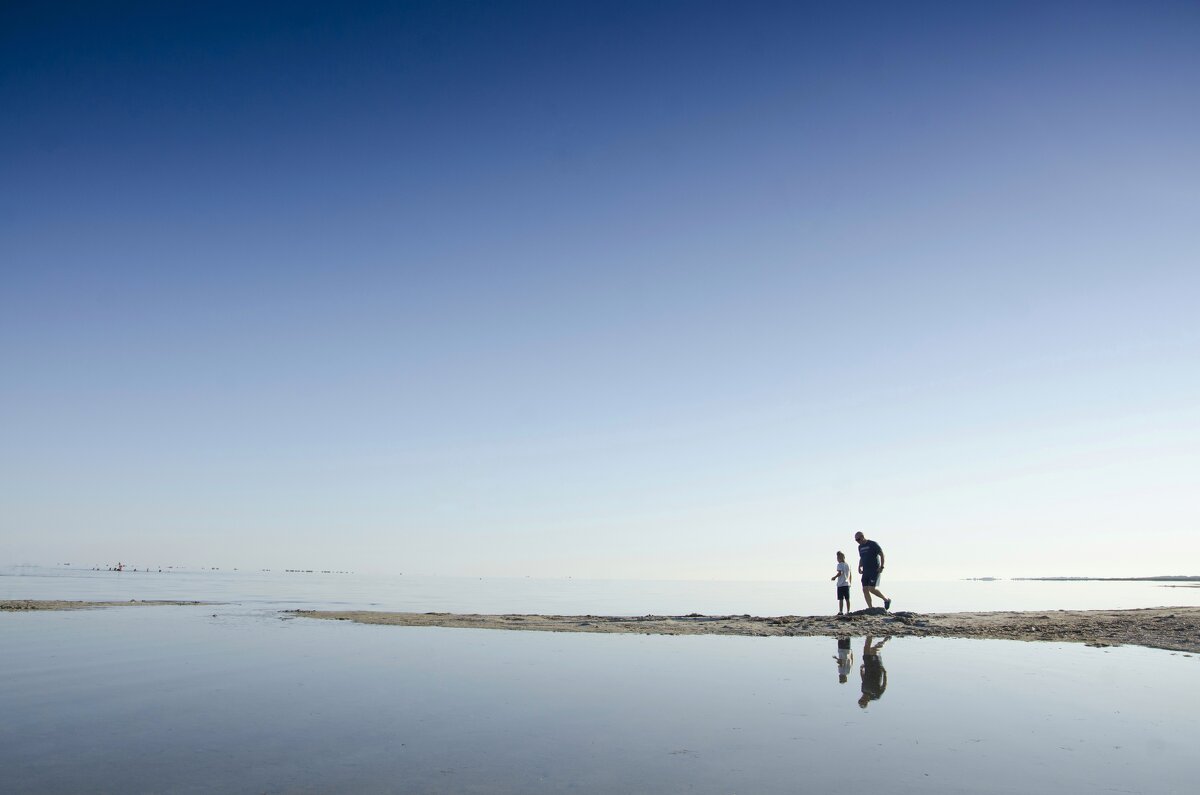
[870, 567]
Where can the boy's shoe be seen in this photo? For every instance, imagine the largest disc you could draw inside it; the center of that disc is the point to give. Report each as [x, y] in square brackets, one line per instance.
[887, 604]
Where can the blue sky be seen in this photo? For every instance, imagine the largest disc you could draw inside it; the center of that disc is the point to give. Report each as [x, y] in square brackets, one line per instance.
[661, 290]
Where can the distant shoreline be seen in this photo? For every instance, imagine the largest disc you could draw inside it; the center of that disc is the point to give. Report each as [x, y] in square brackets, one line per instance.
[1168, 578]
[17, 605]
[1171, 628]
[1160, 578]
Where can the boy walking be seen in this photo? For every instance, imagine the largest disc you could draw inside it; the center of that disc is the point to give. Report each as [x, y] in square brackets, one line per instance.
[843, 582]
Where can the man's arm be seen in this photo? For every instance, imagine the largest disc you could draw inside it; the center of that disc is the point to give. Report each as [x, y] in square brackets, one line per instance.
[881, 558]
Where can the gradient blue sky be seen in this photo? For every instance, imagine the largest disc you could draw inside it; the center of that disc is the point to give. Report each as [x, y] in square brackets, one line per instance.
[662, 290]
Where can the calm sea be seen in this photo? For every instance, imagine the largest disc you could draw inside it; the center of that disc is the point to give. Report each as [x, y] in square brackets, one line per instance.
[567, 596]
[237, 697]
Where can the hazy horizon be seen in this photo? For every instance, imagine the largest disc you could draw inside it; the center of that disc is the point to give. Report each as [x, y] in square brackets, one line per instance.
[139, 567]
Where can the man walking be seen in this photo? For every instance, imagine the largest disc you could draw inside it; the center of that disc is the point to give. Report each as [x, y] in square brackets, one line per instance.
[870, 566]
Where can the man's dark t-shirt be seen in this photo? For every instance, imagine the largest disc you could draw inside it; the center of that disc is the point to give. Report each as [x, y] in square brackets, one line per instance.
[868, 556]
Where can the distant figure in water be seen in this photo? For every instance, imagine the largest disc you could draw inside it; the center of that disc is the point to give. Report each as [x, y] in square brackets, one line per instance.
[874, 675]
[843, 582]
[870, 568]
[845, 659]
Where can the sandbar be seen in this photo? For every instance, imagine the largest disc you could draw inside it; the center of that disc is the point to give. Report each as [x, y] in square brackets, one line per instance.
[63, 604]
[1171, 628]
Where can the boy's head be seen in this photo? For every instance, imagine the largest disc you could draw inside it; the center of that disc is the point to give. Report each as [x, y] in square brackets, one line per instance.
[841, 557]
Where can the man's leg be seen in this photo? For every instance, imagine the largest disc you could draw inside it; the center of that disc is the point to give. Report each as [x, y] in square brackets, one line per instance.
[867, 595]
[886, 602]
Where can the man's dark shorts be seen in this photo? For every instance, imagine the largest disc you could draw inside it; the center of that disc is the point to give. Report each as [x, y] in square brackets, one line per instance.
[869, 579]
[843, 592]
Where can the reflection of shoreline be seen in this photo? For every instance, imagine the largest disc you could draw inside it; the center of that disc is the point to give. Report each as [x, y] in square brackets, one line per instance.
[1173, 628]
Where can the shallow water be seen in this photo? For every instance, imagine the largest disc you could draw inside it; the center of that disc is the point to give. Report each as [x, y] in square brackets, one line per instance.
[567, 596]
[238, 697]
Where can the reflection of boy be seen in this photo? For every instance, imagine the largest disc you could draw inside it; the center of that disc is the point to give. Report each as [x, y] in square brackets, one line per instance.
[845, 659]
[874, 675]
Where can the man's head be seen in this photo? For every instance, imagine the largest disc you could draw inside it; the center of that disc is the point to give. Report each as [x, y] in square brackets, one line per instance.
[859, 537]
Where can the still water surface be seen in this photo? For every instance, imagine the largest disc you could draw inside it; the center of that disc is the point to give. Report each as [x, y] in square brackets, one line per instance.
[238, 698]
[569, 596]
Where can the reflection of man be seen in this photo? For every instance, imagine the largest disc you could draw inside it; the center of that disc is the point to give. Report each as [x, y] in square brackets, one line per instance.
[845, 659]
[874, 675]
[870, 566]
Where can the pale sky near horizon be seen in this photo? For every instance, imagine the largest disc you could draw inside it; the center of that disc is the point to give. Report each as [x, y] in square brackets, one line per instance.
[602, 289]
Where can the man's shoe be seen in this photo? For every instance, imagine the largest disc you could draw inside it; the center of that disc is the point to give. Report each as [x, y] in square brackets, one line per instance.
[887, 604]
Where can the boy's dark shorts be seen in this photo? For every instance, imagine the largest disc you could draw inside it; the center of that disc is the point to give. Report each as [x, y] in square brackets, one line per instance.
[869, 579]
[843, 592]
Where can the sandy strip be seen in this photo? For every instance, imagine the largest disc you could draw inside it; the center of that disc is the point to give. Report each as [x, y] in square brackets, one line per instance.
[62, 604]
[1173, 628]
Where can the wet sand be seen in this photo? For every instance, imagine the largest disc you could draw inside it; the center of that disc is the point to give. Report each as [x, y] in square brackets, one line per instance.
[1173, 628]
[62, 604]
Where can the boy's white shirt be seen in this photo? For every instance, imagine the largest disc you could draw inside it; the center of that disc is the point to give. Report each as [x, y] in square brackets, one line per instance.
[843, 571]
